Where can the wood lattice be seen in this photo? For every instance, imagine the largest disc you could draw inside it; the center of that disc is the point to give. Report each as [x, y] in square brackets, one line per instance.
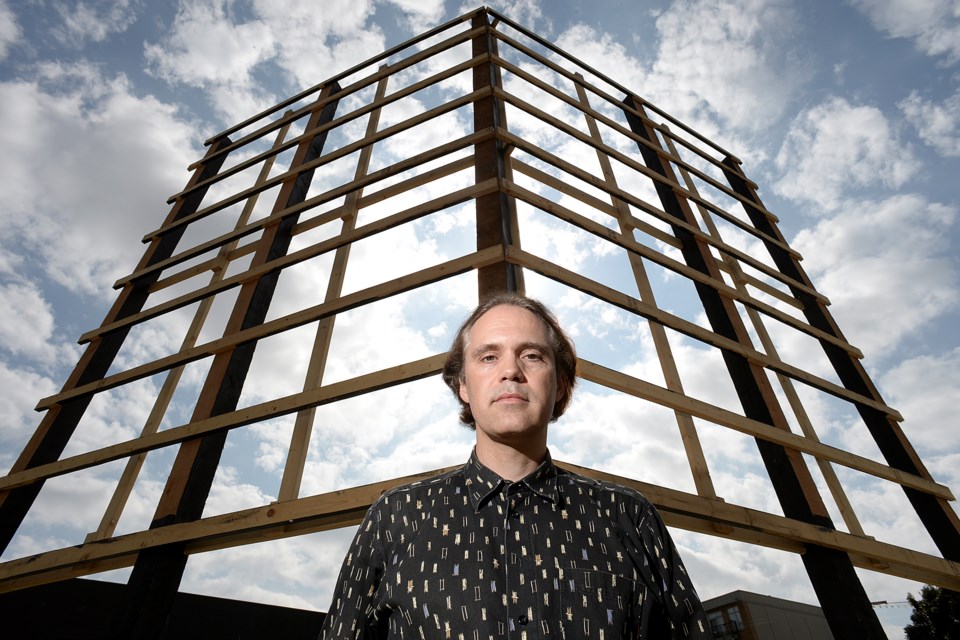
[290, 191]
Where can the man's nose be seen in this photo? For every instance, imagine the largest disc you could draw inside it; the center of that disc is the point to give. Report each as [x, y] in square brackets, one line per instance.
[511, 369]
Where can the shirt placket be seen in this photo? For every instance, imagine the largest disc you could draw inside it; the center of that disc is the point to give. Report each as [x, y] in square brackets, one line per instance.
[519, 565]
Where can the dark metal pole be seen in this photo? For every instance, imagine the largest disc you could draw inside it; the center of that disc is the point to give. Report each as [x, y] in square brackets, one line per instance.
[57, 426]
[842, 597]
[936, 514]
[157, 573]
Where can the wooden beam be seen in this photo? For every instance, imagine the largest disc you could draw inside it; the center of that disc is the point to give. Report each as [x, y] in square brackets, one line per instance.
[346, 507]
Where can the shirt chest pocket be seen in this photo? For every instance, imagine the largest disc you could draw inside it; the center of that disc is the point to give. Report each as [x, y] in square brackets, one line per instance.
[594, 601]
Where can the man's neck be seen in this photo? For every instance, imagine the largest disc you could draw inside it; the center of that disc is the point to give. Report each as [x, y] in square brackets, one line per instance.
[509, 462]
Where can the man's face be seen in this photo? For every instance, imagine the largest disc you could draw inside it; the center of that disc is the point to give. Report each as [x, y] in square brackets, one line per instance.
[510, 375]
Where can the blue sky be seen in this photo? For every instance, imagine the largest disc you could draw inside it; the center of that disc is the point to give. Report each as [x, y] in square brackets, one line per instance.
[847, 114]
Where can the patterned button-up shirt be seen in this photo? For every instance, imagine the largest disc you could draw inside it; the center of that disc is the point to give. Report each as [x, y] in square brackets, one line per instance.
[468, 555]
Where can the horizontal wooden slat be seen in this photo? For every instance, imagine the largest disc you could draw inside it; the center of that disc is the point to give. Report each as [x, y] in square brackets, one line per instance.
[646, 207]
[396, 168]
[697, 408]
[339, 121]
[241, 417]
[360, 84]
[346, 507]
[669, 263]
[642, 169]
[293, 320]
[688, 328]
[327, 158]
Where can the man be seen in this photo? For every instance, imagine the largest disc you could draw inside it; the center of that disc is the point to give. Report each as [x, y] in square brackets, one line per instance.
[510, 546]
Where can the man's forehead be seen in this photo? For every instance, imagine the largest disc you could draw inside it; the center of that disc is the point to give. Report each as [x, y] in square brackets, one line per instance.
[509, 321]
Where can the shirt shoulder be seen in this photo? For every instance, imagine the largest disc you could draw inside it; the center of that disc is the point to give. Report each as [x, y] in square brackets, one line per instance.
[605, 493]
[447, 482]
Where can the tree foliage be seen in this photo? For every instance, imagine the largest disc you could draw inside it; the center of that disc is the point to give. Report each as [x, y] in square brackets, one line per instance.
[936, 615]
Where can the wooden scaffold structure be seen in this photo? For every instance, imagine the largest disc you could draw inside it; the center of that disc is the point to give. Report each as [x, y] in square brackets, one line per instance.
[660, 195]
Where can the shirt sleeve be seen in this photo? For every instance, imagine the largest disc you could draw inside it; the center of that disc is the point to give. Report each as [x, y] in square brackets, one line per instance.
[679, 601]
[352, 612]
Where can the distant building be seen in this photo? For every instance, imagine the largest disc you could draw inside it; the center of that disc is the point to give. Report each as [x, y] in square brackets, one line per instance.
[741, 615]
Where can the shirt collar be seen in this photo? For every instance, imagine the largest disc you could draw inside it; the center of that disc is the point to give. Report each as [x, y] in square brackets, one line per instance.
[483, 483]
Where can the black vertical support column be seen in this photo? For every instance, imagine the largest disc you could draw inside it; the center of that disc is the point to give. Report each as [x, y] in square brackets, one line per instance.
[57, 426]
[494, 226]
[936, 514]
[842, 597]
[157, 573]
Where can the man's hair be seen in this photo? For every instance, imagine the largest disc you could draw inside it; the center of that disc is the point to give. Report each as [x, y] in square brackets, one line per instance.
[565, 355]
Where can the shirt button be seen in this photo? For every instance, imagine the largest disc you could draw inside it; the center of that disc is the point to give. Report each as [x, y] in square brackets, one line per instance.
[522, 619]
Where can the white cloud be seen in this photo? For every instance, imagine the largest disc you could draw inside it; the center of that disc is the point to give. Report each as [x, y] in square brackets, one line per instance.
[934, 25]
[28, 543]
[421, 15]
[938, 124]
[228, 493]
[718, 65]
[528, 13]
[385, 434]
[209, 47]
[886, 267]
[295, 572]
[943, 466]
[733, 58]
[205, 47]
[317, 40]
[75, 502]
[104, 160]
[113, 416]
[604, 53]
[26, 322]
[94, 20]
[623, 435]
[560, 243]
[10, 31]
[837, 148]
[924, 389]
[886, 514]
[717, 566]
[21, 390]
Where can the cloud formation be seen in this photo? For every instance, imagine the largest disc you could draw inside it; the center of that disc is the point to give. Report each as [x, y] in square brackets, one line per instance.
[884, 259]
[836, 150]
[937, 123]
[94, 20]
[80, 232]
[10, 31]
[933, 25]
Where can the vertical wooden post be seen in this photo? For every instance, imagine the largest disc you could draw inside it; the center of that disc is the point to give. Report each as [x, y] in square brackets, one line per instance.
[668, 365]
[842, 597]
[303, 424]
[59, 423]
[157, 573]
[496, 217]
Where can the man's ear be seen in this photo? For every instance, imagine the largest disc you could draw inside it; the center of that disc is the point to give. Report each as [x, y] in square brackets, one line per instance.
[462, 392]
[561, 390]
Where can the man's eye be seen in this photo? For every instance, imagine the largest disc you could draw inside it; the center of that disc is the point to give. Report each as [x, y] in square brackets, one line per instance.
[488, 358]
[533, 356]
